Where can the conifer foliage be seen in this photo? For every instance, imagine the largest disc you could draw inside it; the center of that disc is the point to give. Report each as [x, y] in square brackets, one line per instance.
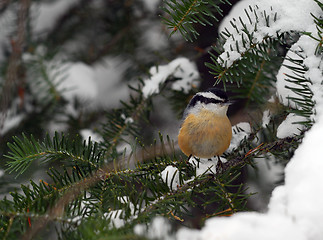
[116, 187]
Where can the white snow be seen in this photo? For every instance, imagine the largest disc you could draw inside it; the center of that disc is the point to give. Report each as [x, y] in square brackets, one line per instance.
[126, 150]
[86, 133]
[127, 120]
[170, 176]
[285, 93]
[100, 85]
[204, 166]
[239, 132]
[268, 173]
[289, 127]
[96, 86]
[245, 226]
[287, 20]
[109, 81]
[79, 83]
[45, 14]
[265, 118]
[117, 216]
[69, 79]
[305, 47]
[11, 122]
[180, 68]
[151, 5]
[159, 228]
[299, 199]
[294, 212]
[154, 38]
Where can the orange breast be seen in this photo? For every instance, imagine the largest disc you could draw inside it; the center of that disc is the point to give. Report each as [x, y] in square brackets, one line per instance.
[205, 135]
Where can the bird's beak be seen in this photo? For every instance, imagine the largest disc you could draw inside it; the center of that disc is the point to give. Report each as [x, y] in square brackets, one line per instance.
[230, 102]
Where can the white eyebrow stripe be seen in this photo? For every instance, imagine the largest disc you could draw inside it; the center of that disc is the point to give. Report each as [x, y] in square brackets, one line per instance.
[209, 95]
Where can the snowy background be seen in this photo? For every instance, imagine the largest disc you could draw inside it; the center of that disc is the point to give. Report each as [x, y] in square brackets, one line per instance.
[97, 85]
[295, 210]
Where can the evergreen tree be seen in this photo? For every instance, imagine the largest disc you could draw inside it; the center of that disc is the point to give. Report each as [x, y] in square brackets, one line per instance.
[135, 173]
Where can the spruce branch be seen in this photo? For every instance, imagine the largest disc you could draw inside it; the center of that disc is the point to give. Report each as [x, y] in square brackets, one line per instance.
[205, 184]
[47, 74]
[124, 121]
[91, 185]
[149, 197]
[272, 147]
[185, 13]
[301, 86]
[256, 81]
[249, 61]
[300, 83]
[243, 52]
[319, 26]
[57, 211]
[26, 150]
[65, 188]
[154, 194]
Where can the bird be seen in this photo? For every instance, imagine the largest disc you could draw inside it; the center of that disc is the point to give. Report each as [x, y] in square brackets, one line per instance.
[206, 131]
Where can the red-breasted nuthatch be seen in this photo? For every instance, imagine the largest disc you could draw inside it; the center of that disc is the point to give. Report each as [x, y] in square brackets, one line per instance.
[206, 130]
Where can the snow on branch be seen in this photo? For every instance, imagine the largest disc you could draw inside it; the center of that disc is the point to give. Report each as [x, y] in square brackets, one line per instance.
[183, 70]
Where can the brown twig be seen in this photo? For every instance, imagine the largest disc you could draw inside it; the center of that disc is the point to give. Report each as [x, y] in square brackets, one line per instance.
[57, 210]
[4, 4]
[241, 160]
[14, 66]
